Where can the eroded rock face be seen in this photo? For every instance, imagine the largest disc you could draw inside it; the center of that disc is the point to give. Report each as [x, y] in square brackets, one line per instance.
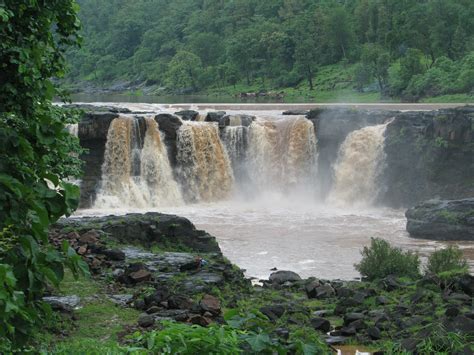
[147, 229]
[169, 125]
[442, 220]
[92, 132]
[428, 155]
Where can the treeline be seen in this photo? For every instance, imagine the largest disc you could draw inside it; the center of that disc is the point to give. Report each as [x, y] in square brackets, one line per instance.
[411, 48]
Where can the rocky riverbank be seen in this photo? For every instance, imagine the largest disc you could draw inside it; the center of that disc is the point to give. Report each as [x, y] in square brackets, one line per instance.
[156, 268]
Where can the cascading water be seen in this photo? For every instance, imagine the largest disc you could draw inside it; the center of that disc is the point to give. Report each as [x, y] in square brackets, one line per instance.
[204, 168]
[282, 154]
[136, 173]
[235, 139]
[359, 163]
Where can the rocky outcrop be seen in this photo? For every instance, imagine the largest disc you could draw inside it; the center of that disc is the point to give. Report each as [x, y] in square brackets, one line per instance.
[169, 125]
[188, 115]
[146, 229]
[442, 220]
[92, 133]
[428, 155]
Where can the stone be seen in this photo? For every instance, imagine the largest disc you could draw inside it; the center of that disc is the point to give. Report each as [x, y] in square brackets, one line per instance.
[374, 333]
[211, 304]
[442, 220]
[311, 287]
[348, 331]
[140, 276]
[180, 302]
[273, 312]
[63, 303]
[122, 300]
[200, 320]
[352, 317]
[214, 116]
[344, 292]
[82, 250]
[153, 310]
[90, 237]
[160, 295]
[146, 320]
[321, 324]
[114, 254]
[358, 324]
[187, 115]
[322, 313]
[280, 277]
[325, 291]
[466, 284]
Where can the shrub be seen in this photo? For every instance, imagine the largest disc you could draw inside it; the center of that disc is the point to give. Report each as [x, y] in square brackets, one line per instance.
[448, 260]
[381, 259]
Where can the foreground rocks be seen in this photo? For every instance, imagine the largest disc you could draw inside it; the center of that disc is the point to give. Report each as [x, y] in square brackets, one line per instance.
[442, 220]
[167, 274]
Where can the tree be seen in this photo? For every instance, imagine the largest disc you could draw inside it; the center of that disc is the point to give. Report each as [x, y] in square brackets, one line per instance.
[35, 160]
[184, 70]
[376, 61]
[339, 31]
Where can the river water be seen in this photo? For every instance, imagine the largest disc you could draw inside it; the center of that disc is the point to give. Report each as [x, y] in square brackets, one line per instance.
[291, 230]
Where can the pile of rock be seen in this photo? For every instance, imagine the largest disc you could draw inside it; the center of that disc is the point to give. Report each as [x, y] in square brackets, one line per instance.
[89, 246]
[161, 304]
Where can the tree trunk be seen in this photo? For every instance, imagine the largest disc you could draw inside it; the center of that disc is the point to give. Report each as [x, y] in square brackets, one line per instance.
[310, 79]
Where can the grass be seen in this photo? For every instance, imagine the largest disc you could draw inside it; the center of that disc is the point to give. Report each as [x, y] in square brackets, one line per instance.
[98, 322]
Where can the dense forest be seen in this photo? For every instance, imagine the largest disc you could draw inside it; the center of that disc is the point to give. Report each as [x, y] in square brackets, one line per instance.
[402, 48]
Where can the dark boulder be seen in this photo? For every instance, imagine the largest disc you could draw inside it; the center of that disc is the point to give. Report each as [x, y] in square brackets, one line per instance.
[211, 304]
[273, 312]
[146, 320]
[215, 116]
[280, 277]
[442, 220]
[321, 324]
[187, 115]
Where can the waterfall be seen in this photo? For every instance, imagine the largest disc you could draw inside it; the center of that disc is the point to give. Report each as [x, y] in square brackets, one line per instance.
[136, 172]
[359, 163]
[282, 154]
[204, 167]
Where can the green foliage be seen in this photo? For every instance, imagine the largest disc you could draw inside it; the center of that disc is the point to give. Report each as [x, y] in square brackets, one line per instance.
[447, 260]
[239, 336]
[36, 157]
[179, 338]
[381, 260]
[278, 43]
